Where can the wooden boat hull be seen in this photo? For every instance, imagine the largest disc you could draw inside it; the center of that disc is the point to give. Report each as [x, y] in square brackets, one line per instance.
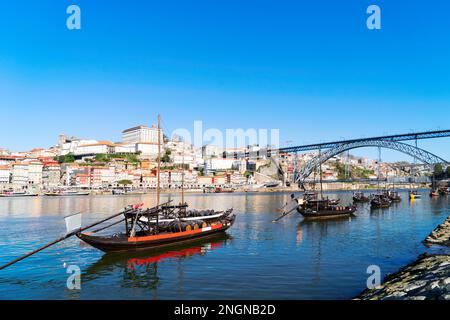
[361, 200]
[124, 244]
[380, 206]
[18, 195]
[81, 194]
[327, 214]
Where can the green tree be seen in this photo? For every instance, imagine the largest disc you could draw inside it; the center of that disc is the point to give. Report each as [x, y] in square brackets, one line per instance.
[68, 158]
[166, 157]
[125, 182]
[448, 172]
[102, 157]
[438, 170]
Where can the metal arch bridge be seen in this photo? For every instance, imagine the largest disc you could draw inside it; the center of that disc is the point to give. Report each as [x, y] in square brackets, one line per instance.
[393, 138]
[390, 142]
[420, 154]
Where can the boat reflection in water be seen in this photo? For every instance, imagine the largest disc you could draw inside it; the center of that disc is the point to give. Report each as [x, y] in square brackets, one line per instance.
[140, 270]
[134, 263]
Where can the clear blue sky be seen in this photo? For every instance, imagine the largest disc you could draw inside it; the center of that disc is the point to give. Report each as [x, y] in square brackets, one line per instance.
[310, 68]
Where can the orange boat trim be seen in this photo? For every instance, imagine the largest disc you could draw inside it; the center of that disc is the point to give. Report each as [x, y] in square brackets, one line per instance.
[174, 235]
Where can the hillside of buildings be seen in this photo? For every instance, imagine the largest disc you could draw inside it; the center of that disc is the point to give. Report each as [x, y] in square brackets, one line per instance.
[93, 164]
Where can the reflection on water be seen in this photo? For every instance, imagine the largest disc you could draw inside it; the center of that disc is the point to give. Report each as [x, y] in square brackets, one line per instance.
[293, 259]
[140, 269]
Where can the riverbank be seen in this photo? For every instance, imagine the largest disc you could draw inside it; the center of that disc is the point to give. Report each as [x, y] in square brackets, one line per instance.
[428, 278]
[440, 236]
[294, 189]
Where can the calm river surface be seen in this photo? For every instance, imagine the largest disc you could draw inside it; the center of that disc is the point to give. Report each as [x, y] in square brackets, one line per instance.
[258, 260]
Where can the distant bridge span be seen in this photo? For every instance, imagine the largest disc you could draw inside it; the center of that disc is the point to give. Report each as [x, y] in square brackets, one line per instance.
[420, 154]
[392, 138]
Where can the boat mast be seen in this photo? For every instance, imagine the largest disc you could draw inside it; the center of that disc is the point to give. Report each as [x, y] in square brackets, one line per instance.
[379, 170]
[182, 178]
[320, 173]
[158, 188]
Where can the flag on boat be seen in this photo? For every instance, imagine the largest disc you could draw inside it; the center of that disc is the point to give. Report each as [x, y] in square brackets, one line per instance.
[73, 222]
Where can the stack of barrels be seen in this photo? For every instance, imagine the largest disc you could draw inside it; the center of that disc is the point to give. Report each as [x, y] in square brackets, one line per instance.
[187, 226]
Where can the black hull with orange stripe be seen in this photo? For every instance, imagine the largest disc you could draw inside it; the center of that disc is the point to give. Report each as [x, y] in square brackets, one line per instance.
[123, 243]
[328, 213]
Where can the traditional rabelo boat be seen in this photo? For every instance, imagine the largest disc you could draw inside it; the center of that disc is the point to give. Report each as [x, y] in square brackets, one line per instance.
[326, 211]
[394, 196]
[380, 201]
[160, 227]
[313, 207]
[314, 202]
[360, 197]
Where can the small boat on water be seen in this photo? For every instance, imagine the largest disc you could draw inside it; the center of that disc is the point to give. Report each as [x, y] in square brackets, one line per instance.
[64, 193]
[312, 200]
[311, 207]
[394, 196]
[327, 212]
[380, 201]
[359, 197]
[434, 193]
[118, 192]
[414, 195]
[223, 190]
[17, 194]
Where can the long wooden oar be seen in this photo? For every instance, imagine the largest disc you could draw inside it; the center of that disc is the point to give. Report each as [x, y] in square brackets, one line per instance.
[69, 235]
[284, 216]
[294, 205]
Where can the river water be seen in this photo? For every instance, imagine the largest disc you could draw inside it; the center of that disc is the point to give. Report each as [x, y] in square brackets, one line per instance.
[292, 259]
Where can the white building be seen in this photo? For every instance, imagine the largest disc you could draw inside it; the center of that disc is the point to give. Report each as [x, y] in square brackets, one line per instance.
[72, 146]
[212, 151]
[177, 178]
[125, 148]
[222, 164]
[102, 147]
[5, 177]
[51, 176]
[20, 175]
[142, 134]
[148, 149]
[35, 173]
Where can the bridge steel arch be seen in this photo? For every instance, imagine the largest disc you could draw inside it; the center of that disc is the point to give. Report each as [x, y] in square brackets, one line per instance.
[420, 154]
